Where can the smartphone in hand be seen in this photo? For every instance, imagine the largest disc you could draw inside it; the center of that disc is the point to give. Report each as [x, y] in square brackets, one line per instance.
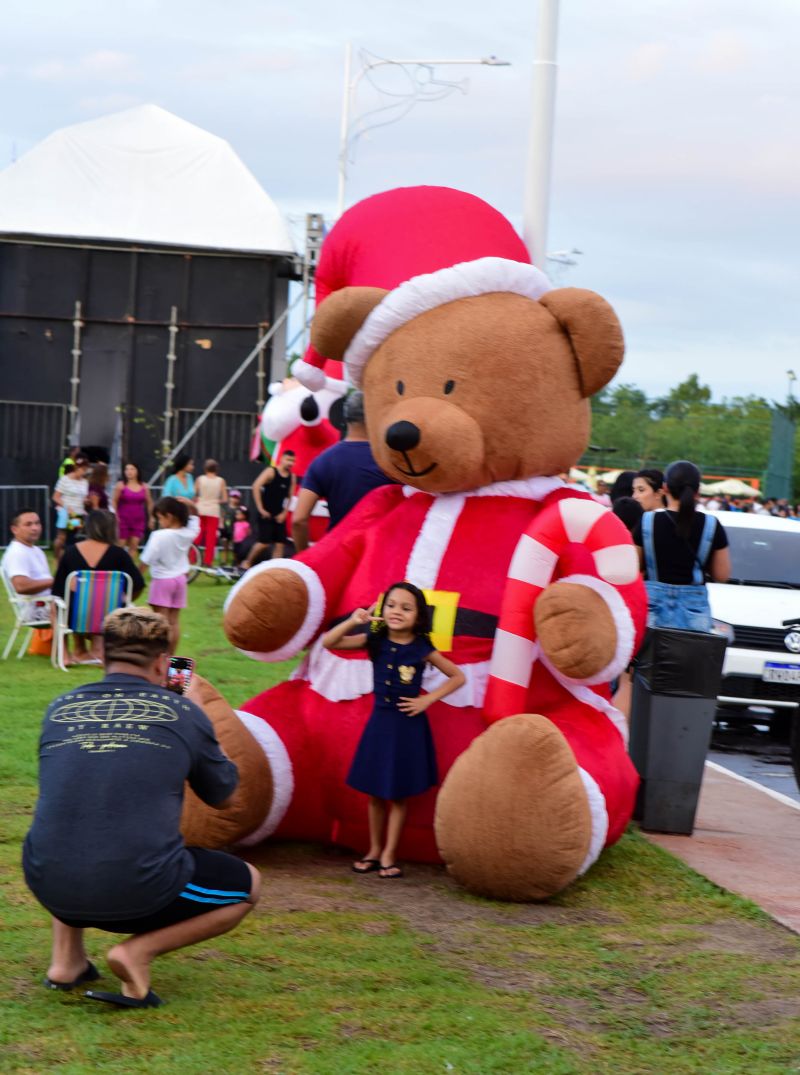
[179, 674]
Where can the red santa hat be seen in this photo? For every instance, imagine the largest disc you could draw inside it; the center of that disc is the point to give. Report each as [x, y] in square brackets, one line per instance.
[400, 234]
[423, 293]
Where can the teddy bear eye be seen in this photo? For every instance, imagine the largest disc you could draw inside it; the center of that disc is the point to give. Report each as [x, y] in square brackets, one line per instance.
[449, 386]
[400, 388]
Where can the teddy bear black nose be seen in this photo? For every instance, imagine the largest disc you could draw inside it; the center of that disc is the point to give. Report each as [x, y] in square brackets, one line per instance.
[309, 409]
[402, 436]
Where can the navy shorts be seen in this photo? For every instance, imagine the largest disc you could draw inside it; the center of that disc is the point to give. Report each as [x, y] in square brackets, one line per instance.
[219, 879]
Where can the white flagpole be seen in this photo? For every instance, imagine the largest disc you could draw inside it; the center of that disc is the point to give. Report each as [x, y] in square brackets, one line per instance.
[540, 146]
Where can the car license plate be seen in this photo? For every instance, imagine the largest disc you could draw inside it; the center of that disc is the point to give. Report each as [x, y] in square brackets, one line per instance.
[780, 673]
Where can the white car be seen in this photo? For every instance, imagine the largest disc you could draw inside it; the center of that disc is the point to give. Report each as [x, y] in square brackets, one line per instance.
[759, 611]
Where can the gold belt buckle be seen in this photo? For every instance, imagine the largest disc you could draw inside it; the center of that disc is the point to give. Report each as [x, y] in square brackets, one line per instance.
[445, 605]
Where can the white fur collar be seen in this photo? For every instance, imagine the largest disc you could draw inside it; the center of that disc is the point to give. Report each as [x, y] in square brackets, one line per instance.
[524, 488]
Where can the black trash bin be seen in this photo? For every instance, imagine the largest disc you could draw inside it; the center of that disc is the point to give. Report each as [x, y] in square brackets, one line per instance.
[675, 683]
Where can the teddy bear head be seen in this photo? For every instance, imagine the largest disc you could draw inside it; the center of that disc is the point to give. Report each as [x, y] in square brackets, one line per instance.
[475, 374]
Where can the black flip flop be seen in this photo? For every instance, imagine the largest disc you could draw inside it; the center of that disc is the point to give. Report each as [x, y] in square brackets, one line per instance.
[373, 865]
[391, 876]
[121, 1001]
[90, 974]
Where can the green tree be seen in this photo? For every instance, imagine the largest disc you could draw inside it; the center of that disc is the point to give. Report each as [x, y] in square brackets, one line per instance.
[620, 420]
[683, 398]
[727, 437]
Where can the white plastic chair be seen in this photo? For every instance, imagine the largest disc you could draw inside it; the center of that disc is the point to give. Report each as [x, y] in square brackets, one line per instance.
[30, 611]
[88, 598]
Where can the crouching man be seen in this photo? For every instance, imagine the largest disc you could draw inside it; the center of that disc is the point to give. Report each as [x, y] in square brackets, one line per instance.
[105, 849]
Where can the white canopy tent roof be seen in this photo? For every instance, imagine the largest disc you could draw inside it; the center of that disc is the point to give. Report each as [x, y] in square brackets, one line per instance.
[729, 487]
[142, 176]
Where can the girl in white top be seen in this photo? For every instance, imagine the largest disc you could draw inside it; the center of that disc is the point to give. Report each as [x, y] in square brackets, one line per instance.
[212, 492]
[167, 555]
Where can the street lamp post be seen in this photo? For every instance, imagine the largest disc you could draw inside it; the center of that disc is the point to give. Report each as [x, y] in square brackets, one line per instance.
[540, 146]
[351, 84]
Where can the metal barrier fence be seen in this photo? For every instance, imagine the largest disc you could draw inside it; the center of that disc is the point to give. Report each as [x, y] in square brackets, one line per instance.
[35, 497]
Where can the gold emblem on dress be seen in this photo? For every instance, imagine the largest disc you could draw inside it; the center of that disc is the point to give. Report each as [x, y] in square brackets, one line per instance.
[406, 672]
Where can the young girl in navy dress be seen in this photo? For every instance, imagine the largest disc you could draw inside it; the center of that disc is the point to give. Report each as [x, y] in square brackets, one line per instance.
[395, 757]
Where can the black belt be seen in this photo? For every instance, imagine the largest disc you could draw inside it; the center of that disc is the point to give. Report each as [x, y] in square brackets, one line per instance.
[472, 624]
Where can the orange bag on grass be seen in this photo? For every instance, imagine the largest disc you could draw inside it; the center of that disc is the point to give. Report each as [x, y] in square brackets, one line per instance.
[41, 642]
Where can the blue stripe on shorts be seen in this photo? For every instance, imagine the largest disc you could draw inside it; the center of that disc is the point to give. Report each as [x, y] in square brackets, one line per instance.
[216, 891]
[209, 899]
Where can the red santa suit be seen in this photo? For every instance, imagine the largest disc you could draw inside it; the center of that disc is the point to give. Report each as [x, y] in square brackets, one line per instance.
[441, 544]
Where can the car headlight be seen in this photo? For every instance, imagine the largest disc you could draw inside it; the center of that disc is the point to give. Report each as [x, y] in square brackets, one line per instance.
[720, 627]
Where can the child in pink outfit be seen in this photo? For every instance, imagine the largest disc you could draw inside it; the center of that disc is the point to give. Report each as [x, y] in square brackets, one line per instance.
[167, 555]
[241, 532]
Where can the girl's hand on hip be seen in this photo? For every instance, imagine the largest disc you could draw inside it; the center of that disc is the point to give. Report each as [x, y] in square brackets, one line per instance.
[412, 707]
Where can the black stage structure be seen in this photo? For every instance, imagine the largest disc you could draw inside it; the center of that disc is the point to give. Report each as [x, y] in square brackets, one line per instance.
[120, 347]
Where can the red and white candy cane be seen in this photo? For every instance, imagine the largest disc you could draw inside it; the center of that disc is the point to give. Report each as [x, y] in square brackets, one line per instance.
[531, 570]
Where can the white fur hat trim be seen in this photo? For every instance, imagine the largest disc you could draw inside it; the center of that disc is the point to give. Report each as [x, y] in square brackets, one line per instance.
[422, 293]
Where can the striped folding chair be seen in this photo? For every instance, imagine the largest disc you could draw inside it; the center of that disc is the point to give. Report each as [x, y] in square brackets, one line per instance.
[88, 598]
[29, 613]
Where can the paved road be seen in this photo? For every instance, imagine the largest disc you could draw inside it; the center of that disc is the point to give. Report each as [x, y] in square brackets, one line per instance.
[758, 758]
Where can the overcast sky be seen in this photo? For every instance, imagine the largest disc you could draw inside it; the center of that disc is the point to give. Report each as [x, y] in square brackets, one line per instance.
[677, 146]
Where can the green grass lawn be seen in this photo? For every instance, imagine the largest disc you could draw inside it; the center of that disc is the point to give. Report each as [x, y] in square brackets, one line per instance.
[642, 966]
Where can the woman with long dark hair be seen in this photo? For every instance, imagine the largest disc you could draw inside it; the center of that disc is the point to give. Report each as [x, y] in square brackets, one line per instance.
[679, 549]
[98, 480]
[98, 551]
[623, 485]
[180, 482]
[648, 489]
[133, 505]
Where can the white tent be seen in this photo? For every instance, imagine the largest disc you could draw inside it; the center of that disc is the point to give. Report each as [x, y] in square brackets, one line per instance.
[729, 487]
[142, 176]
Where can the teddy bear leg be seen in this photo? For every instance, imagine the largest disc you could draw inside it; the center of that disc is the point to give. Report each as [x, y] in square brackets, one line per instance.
[299, 731]
[515, 815]
[257, 796]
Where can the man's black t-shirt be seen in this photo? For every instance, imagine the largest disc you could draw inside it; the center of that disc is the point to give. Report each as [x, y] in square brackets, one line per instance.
[113, 758]
[675, 557]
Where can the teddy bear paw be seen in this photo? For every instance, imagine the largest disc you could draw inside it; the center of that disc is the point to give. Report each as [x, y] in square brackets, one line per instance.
[575, 629]
[512, 816]
[266, 610]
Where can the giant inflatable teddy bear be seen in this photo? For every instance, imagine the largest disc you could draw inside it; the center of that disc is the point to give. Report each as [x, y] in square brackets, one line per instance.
[477, 377]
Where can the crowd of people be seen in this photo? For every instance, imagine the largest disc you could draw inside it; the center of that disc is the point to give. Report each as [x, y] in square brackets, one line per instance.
[679, 545]
[125, 530]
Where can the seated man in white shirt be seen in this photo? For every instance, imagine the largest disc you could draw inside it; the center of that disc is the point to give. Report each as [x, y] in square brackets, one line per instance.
[24, 563]
[25, 566]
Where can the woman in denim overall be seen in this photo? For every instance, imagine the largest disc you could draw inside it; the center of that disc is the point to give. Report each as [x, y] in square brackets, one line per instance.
[683, 605]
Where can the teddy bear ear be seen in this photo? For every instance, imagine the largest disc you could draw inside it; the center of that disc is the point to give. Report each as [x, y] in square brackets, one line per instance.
[594, 333]
[340, 316]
